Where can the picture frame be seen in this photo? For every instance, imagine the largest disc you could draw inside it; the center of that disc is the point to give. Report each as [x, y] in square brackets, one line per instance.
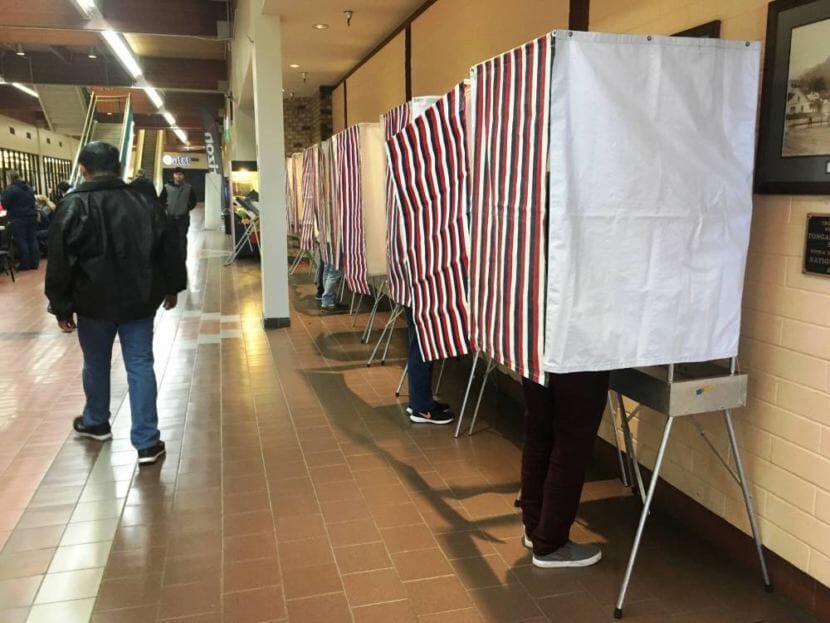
[793, 156]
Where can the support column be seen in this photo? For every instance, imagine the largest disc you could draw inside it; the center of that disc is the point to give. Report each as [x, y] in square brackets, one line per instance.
[244, 136]
[270, 141]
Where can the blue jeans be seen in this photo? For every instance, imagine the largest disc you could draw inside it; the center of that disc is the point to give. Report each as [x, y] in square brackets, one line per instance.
[97, 338]
[331, 277]
[419, 373]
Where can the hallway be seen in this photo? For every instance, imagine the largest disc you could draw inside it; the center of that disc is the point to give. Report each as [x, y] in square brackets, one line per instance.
[295, 488]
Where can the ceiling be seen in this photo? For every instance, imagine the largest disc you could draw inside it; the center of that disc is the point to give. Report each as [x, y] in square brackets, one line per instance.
[328, 55]
[180, 51]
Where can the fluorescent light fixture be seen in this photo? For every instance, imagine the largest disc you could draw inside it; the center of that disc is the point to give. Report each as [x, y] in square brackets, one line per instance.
[181, 135]
[321, 26]
[20, 51]
[170, 119]
[25, 89]
[294, 66]
[92, 53]
[154, 96]
[122, 51]
[87, 6]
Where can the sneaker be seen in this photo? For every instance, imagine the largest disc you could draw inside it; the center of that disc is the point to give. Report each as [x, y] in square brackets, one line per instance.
[98, 433]
[526, 541]
[440, 407]
[431, 417]
[147, 456]
[335, 308]
[569, 555]
[318, 297]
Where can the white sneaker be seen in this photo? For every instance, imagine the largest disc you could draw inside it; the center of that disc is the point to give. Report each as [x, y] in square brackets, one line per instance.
[526, 541]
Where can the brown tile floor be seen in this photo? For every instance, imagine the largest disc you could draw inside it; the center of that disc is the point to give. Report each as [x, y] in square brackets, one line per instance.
[295, 488]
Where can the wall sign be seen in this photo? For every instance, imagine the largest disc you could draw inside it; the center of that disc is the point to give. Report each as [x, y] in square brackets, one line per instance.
[817, 245]
[179, 161]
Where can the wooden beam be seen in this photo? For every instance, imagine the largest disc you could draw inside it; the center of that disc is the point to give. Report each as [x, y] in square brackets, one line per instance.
[580, 15]
[163, 73]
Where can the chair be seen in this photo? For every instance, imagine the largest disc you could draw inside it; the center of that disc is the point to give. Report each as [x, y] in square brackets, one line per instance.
[6, 260]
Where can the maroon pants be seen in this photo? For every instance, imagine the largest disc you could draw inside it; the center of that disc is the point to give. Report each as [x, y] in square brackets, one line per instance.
[560, 427]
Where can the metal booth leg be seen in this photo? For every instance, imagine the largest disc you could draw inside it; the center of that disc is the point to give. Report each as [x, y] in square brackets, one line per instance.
[400, 383]
[633, 464]
[491, 365]
[661, 453]
[395, 315]
[753, 521]
[467, 394]
[342, 289]
[624, 476]
[388, 328]
[440, 378]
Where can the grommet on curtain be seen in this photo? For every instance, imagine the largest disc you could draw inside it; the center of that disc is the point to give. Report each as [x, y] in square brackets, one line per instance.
[649, 38]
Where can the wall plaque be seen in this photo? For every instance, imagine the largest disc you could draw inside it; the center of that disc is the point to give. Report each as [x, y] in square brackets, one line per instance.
[817, 245]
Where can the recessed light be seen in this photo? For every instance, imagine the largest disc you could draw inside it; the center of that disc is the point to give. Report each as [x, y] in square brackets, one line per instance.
[20, 51]
[321, 26]
[92, 53]
[294, 66]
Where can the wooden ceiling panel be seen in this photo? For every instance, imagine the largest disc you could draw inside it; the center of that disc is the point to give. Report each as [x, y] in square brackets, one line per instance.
[176, 47]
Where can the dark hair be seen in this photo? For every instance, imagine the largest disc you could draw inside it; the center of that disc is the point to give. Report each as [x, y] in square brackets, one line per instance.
[14, 176]
[100, 157]
[64, 186]
[178, 170]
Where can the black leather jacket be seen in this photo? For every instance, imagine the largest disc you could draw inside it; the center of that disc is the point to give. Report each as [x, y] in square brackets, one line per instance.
[111, 255]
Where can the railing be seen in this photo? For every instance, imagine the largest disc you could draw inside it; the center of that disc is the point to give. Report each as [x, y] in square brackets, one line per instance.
[126, 136]
[86, 134]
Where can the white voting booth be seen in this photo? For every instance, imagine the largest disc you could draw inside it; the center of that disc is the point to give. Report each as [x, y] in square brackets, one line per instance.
[213, 200]
[652, 151]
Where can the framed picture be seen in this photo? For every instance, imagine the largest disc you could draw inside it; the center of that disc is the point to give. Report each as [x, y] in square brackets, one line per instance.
[794, 138]
[709, 30]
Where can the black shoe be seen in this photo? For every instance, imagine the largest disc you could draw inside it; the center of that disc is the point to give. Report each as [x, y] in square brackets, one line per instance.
[431, 417]
[99, 433]
[336, 308]
[438, 407]
[148, 456]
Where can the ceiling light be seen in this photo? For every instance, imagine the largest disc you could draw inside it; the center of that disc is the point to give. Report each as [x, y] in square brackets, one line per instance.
[170, 119]
[181, 135]
[87, 6]
[154, 96]
[294, 66]
[20, 51]
[109, 114]
[321, 26]
[92, 53]
[25, 89]
[123, 52]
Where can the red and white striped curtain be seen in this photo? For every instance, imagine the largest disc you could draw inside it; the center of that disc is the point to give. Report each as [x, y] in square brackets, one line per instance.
[325, 203]
[510, 105]
[397, 274]
[428, 161]
[350, 204]
[310, 200]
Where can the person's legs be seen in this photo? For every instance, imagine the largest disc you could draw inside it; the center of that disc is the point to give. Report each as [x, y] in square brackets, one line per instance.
[96, 338]
[137, 348]
[31, 238]
[20, 233]
[331, 279]
[579, 401]
[319, 278]
[419, 373]
[538, 446]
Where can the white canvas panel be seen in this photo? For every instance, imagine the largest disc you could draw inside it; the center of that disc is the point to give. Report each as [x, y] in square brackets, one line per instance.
[652, 148]
[373, 182]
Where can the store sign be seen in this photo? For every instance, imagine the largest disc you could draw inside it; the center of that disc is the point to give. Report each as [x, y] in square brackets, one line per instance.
[817, 245]
[213, 144]
[177, 161]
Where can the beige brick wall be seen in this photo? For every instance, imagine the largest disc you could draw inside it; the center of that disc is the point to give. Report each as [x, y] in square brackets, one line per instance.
[299, 123]
[785, 430]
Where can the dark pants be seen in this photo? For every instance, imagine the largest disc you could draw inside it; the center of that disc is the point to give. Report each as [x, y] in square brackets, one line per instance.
[321, 268]
[560, 427]
[180, 225]
[419, 373]
[23, 231]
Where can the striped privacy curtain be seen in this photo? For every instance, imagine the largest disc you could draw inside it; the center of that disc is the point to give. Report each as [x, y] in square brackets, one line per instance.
[398, 278]
[428, 161]
[349, 196]
[510, 105]
[309, 198]
[325, 202]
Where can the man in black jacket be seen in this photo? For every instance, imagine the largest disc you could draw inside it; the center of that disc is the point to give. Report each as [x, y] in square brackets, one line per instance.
[112, 262]
[19, 200]
[179, 198]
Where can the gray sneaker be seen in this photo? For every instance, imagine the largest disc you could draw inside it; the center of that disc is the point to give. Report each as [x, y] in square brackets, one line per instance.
[569, 555]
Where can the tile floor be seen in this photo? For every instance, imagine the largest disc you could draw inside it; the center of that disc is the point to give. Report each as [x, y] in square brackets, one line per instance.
[295, 488]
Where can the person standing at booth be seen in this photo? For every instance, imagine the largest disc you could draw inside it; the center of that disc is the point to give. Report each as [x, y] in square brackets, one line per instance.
[423, 408]
[19, 201]
[179, 198]
[144, 184]
[561, 424]
[113, 261]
